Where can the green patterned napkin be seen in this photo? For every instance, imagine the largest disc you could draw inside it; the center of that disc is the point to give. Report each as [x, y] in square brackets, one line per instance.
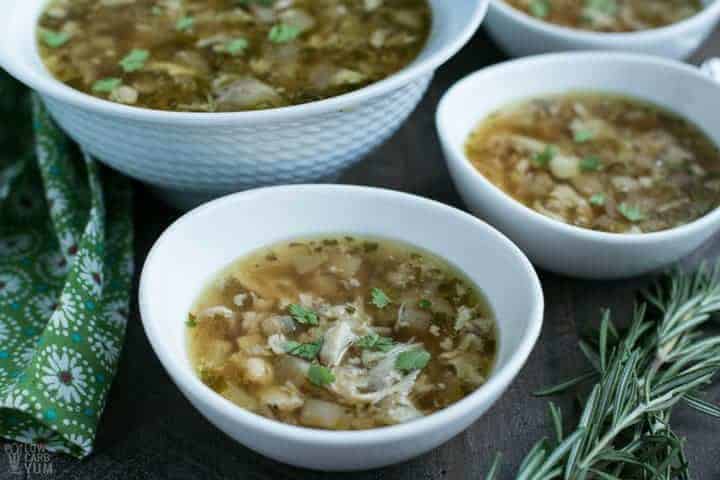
[65, 277]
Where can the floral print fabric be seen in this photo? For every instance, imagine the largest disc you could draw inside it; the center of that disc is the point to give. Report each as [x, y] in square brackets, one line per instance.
[65, 278]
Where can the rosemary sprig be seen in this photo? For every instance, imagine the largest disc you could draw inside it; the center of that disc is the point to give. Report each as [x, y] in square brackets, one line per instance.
[640, 374]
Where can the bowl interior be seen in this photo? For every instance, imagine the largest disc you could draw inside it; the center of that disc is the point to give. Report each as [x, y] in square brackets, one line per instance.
[193, 250]
[676, 87]
[453, 24]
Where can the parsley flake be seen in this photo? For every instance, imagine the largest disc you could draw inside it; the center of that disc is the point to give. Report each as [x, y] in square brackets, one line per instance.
[320, 375]
[632, 213]
[425, 304]
[374, 341]
[191, 322]
[184, 24]
[283, 33]
[236, 46]
[411, 360]
[106, 85]
[308, 351]
[540, 8]
[303, 315]
[379, 298]
[135, 60]
[582, 136]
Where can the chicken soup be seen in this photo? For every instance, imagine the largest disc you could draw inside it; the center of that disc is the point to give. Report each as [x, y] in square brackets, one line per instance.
[610, 15]
[342, 333]
[602, 162]
[228, 55]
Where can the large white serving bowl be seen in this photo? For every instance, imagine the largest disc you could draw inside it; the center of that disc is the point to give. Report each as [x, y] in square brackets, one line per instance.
[551, 244]
[195, 248]
[520, 34]
[191, 157]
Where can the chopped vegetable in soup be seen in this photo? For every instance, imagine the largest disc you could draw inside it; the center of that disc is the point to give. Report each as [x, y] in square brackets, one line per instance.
[228, 55]
[602, 162]
[342, 333]
[610, 15]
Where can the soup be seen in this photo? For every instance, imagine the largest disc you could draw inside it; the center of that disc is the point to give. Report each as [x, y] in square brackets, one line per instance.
[228, 55]
[610, 15]
[601, 162]
[342, 333]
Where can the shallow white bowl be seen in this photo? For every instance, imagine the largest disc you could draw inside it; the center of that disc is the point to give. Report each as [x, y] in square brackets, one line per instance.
[520, 34]
[191, 157]
[210, 237]
[551, 244]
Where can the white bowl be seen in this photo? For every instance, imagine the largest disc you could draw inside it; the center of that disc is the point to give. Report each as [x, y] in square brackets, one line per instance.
[210, 237]
[520, 34]
[195, 156]
[551, 244]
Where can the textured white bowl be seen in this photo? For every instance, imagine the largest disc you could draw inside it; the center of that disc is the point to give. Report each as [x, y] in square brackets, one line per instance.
[551, 244]
[520, 34]
[212, 236]
[194, 156]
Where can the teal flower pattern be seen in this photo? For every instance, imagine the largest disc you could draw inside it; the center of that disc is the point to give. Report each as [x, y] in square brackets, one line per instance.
[65, 277]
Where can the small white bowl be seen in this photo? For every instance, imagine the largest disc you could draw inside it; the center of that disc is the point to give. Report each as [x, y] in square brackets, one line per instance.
[210, 237]
[191, 157]
[551, 244]
[520, 34]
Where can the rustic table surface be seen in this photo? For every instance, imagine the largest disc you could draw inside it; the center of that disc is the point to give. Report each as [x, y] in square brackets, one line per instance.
[150, 431]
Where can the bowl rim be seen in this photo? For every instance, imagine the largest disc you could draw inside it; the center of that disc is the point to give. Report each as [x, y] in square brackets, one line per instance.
[458, 157]
[501, 376]
[46, 84]
[610, 39]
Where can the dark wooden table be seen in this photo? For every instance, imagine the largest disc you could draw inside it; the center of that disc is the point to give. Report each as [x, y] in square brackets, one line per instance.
[150, 431]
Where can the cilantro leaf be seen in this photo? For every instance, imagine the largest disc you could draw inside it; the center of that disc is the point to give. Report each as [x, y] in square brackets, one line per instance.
[303, 315]
[184, 24]
[582, 136]
[191, 322]
[632, 213]
[411, 360]
[540, 8]
[135, 60]
[379, 298]
[374, 341]
[590, 163]
[543, 158]
[425, 304]
[598, 200]
[320, 375]
[283, 33]
[236, 46]
[308, 351]
[54, 39]
[106, 85]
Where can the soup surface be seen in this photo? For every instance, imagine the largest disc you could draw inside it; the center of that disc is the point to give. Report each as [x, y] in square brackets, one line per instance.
[342, 333]
[602, 162]
[228, 55]
[610, 15]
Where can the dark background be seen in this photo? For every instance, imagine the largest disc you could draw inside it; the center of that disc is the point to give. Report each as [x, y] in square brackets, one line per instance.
[150, 431]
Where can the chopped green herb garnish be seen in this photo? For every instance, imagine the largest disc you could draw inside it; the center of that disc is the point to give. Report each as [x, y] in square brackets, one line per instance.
[590, 163]
[308, 351]
[374, 341]
[632, 213]
[191, 322]
[540, 8]
[411, 360]
[54, 39]
[320, 375]
[582, 136]
[106, 85]
[236, 46]
[283, 33]
[135, 60]
[379, 298]
[543, 158]
[598, 200]
[606, 7]
[184, 24]
[303, 315]
[425, 304]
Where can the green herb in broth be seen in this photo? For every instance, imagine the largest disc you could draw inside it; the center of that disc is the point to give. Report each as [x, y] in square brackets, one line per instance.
[610, 15]
[342, 333]
[229, 55]
[601, 162]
